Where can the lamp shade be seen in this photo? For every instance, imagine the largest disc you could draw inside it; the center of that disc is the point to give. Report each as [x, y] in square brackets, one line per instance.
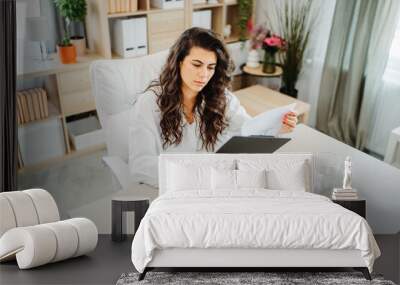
[37, 28]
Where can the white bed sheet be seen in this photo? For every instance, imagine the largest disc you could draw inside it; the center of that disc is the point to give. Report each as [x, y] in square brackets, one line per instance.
[252, 218]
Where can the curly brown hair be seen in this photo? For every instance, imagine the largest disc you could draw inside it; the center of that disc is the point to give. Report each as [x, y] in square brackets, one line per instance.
[211, 101]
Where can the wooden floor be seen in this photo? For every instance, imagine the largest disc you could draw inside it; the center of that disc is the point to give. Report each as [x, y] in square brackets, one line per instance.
[103, 266]
[111, 259]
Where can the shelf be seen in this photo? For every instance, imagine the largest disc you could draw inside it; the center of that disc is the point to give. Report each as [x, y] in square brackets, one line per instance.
[127, 14]
[158, 10]
[141, 12]
[231, 3]
[117, 56]
[33, 67]
[231, 39]
[53, 113]
[207, 5]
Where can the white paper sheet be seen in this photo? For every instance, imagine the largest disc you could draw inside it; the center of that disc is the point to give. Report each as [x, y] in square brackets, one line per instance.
[267, 123]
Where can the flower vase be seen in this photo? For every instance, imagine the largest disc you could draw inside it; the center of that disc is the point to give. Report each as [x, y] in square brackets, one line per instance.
[269, 62]
[253, 60]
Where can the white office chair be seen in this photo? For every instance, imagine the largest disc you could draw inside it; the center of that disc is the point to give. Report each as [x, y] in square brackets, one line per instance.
[116, 85]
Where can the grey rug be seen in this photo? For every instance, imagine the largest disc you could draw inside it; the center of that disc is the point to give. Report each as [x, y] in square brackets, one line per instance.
[269, 278]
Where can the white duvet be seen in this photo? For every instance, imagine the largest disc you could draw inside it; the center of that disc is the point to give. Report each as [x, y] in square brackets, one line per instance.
[250, 219]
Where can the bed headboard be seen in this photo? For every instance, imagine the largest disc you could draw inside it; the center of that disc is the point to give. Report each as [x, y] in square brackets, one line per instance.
[216, 158]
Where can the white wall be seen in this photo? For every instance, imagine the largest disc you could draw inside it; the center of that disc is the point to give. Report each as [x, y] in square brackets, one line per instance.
[309, 80]
[26, 48]
[376, 181]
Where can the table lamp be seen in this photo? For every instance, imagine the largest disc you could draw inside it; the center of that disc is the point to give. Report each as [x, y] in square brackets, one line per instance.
[38, 31]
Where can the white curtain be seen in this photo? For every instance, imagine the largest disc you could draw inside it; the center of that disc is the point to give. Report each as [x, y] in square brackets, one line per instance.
[382, 92]
[314, 58]
[310, 77]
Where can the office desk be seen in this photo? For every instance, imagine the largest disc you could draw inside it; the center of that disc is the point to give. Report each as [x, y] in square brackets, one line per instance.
[257, 99]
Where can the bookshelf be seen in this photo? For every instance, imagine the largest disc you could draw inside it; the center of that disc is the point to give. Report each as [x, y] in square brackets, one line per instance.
[163, 25]
[68, 93]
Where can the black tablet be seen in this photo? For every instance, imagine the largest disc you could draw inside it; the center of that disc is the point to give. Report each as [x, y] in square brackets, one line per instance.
[252, 144]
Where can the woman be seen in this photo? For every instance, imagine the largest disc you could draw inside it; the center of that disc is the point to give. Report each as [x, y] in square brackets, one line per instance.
[188, 109]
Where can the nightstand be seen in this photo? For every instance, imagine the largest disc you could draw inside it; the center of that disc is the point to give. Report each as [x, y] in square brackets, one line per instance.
[124, 203]
[357, 206]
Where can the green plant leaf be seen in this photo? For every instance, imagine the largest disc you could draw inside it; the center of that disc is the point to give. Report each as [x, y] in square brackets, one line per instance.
[295, 23]
[72, 11]
[245, 12]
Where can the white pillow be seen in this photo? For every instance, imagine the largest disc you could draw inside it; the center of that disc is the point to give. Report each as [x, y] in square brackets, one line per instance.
[223, 179]
[251, 178]
[282, 174]
[228, 179]
[188, 177]
[293, 178]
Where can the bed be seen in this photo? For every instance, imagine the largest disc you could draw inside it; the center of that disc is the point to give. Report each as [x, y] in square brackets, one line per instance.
[245, 211]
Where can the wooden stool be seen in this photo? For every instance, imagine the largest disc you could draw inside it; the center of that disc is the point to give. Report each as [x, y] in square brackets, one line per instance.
[126, 203]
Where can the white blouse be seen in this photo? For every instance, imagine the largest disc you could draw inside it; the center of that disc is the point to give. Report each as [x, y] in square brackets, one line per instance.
[145, 142]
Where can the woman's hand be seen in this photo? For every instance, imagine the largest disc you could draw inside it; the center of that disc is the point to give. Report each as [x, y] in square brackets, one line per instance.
[289, 122]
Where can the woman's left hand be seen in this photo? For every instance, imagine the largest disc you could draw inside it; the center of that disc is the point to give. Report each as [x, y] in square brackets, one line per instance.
[289, 122]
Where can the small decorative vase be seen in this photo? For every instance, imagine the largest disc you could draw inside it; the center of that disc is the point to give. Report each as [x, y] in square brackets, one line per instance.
[80, 45]
[253, 60]
[269, 62]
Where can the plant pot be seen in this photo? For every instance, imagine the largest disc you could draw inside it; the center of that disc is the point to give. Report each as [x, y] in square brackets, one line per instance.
[269, 64]
[291, 91]
[253, 60]
[80, 45]
[67, 54]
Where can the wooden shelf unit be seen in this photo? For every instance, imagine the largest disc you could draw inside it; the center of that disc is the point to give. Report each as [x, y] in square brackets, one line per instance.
[68, 93]
[163, 25]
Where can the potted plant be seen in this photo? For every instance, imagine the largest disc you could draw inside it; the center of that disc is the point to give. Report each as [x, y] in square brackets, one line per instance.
[245, 13]
[73, 11]
[66, 51]
[271, 45]
[295, 22]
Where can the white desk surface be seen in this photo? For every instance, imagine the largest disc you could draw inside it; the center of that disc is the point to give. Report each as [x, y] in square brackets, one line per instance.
[257, 99]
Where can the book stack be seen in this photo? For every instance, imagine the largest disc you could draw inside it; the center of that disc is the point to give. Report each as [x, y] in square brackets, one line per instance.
[122, 6]
[344, 194]
[31, 105]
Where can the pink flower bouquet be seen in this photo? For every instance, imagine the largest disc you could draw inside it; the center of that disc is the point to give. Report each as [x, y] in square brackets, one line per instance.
[257, 35]
[273, 43]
